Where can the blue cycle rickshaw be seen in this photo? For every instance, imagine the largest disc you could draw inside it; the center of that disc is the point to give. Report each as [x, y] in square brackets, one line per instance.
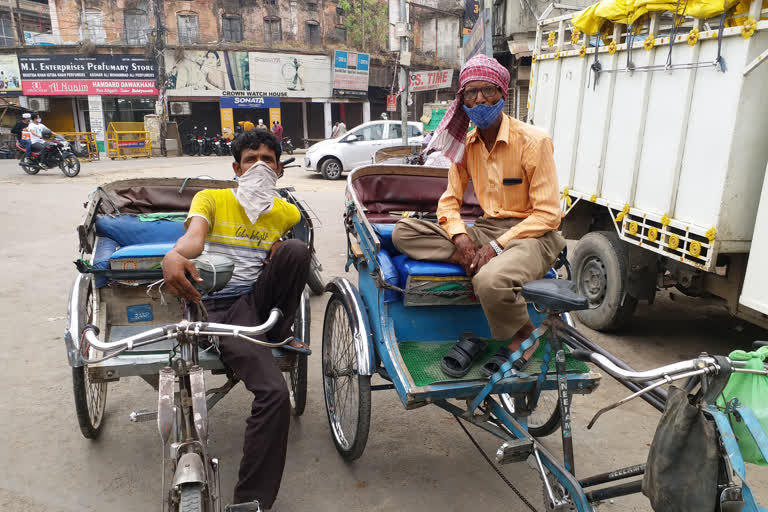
[404, 315]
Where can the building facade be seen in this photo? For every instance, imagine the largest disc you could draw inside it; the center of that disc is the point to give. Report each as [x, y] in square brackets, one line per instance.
[209, 64]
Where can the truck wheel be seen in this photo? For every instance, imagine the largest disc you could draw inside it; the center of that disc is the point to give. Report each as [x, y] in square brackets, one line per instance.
[600, 266]
[331, 169]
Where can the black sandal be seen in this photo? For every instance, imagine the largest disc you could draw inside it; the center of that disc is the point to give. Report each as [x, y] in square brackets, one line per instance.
[458, 361]
[499, 358]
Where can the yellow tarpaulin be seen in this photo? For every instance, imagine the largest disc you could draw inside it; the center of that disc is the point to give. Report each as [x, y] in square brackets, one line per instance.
[592, 19]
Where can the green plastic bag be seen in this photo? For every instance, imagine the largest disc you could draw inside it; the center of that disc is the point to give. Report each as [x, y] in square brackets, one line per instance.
[752, 391]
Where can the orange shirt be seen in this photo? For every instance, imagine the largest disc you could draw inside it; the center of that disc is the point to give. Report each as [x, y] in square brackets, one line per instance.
[522, 155]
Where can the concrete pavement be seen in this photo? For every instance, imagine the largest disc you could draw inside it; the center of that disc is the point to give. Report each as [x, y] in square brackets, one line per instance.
[415, 460]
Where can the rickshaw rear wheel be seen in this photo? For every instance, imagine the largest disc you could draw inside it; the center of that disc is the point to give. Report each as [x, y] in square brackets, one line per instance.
[347, 393]
[90, 397]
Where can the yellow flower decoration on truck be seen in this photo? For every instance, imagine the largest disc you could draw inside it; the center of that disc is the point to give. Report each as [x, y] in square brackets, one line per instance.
[623, 213]
[649, 42]
[693, 37]
[575, 36]
[633, 228]
[665, 221]
[566, 197]
[673, 241]
[653, 234]
[551, 39]
[582, 51]
[749, 27]
[612, 47]
[710, 234]
[694, 248]
[533, 58]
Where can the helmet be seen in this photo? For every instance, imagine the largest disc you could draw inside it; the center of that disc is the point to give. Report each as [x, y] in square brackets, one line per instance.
[47, 133]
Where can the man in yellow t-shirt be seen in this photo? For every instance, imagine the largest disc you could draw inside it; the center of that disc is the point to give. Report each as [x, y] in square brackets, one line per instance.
[246, 225]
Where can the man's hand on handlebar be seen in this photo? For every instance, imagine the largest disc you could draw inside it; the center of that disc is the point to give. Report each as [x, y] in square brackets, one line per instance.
[175, 270]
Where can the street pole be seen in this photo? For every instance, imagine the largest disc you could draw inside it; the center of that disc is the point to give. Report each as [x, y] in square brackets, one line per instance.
[403, 74]
[158, 8]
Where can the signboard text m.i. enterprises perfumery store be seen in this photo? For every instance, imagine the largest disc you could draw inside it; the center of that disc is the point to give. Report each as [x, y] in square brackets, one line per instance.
[63, 75]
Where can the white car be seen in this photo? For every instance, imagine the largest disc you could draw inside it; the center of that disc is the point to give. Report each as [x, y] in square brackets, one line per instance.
[356, 147]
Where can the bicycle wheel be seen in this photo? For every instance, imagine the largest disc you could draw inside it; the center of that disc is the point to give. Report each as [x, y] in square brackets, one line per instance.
[545, 419]
[347, 394]
[191, 499]
[90, 397]
[296, 378]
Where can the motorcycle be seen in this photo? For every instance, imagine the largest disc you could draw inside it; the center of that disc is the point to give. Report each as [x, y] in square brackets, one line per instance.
[54, 153]
[288, 146]
[206, 143]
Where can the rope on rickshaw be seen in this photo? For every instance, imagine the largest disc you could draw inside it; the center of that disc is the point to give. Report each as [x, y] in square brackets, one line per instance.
[495, 468]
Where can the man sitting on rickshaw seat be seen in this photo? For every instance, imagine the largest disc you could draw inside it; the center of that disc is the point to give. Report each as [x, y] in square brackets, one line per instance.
[512, 168]
[245, 225]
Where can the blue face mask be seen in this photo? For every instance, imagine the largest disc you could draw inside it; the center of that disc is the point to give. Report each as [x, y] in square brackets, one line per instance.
[484, 115]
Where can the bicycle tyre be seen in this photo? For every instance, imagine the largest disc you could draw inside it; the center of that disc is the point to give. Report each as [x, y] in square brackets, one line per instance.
[191, 499]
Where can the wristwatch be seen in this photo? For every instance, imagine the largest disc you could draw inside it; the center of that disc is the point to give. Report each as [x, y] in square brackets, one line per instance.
[496, 247]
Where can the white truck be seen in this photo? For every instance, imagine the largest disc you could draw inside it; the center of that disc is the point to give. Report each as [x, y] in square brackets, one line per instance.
[661, 145]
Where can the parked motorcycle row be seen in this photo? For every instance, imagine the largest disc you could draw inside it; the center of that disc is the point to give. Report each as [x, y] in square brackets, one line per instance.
[198, 142]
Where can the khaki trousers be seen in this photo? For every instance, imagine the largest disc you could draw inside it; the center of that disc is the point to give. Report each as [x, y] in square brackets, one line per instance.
[522, 261]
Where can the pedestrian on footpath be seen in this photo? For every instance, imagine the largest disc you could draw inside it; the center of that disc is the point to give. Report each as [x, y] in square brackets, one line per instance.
[335, 131]
[261, 125]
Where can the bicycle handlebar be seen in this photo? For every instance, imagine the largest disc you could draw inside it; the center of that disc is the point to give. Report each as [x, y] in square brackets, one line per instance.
[165, 332]
[655, 373]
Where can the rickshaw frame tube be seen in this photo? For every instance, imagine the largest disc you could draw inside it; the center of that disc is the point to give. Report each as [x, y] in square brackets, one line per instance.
[78, 294]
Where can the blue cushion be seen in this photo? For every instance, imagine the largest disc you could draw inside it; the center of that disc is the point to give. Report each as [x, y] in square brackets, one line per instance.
[384, 231]
[142, 251]
[408, 267]
[390, 274]
[102, 252]
[129, 230]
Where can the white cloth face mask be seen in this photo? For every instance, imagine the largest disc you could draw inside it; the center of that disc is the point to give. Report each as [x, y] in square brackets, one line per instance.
[256, 190]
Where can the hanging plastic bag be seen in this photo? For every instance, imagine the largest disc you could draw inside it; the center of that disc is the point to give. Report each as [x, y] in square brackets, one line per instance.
[752, 391]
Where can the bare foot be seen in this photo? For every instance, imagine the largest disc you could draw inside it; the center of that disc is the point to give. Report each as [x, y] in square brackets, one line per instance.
[522, 335]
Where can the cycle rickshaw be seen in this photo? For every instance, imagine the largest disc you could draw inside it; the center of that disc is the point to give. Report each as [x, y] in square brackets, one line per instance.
[120, 324]
[404, 315]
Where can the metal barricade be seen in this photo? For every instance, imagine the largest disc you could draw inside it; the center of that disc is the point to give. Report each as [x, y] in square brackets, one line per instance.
[83, 145]
[128, 140]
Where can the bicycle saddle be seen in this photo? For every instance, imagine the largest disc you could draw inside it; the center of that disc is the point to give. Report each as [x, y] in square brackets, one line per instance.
[555, 295]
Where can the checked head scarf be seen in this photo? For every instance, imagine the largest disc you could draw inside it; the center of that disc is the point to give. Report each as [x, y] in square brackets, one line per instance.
[451, 134]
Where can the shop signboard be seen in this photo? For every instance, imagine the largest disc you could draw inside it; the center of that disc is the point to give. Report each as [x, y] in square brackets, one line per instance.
[96, 115]
[249, 102]
[81, 75]
[207, 73]
[287, 75]
[391, 103]
[479, 40]
[430, 80]
[227, 123]
[350, 73]
[10, 78]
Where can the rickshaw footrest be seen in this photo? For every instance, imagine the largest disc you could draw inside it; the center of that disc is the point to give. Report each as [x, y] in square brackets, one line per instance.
[516, 450]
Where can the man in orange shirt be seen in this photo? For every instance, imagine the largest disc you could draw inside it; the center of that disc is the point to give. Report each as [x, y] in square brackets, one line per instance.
[512, 168]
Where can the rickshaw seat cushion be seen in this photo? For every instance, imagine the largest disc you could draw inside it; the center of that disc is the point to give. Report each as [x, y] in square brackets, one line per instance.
[410, 267]
[384, 232]
[555, 295]
[130, 230]
[156, 250]
[103, 250]
[391, 275]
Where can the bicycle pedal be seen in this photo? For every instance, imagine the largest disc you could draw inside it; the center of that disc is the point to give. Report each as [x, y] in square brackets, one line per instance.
[731, 499]
[251, 506]
[141, 416]
[517, 450]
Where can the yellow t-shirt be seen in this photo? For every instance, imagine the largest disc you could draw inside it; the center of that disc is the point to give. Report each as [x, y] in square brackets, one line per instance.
[232, 234]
